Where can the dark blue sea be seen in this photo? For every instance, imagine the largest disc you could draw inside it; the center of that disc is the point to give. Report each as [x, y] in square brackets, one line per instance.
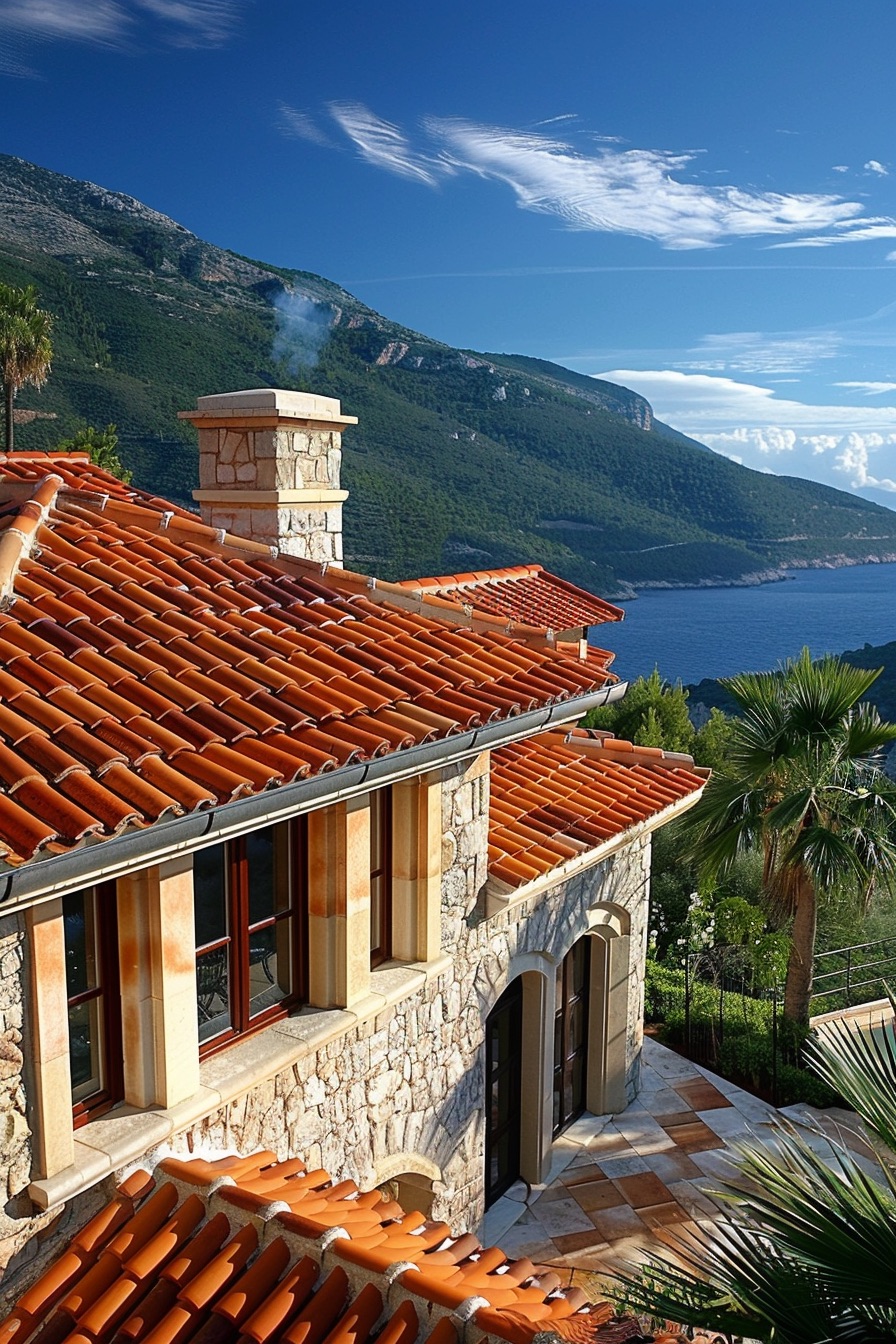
[714, 632]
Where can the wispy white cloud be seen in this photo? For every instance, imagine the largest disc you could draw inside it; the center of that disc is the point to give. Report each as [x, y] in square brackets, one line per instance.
[385, 146]
[848, 231]
[99, 21]
[646, 193]
[299, 126]
[870, 389]
[639, 192]
[115, 23]
[875, 166]
[840, 168]
[210, 22]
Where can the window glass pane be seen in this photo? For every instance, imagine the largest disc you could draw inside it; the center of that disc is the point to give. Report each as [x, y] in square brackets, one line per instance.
[210, 894]
[270, 965]
[79, 915]
[85, 1048]
[377, 838]
[260, 873]
[213, 992]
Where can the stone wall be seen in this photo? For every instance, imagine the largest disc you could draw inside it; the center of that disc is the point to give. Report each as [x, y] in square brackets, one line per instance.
[412, 1079]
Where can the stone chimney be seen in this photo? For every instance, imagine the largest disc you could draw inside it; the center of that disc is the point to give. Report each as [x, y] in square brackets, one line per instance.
[269, 469]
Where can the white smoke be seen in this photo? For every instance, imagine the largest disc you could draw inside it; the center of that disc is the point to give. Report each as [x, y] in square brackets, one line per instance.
[302, 329]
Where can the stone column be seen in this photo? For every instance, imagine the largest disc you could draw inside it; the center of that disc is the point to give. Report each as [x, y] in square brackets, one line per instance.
[53, 1141]
[417, 868]
[339, 904]
[158, 984]
[269, 463]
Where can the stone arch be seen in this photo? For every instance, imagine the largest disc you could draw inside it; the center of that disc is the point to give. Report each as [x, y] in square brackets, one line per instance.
[410, 1178]
[609, 928]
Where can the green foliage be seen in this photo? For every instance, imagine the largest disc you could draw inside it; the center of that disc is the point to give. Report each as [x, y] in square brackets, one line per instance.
[25, 346]
[802, 786]
[745, 1044]
[652, 714]
[102, 447]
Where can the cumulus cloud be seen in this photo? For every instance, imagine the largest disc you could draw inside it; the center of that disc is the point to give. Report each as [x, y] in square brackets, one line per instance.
[854, 461]
[385, 145]
[874, 166]
[645, 193]
[114, 22]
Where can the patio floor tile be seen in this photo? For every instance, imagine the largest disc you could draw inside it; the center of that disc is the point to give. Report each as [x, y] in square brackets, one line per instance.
[598, 1195]
[695, 1137]
[701, 1096]
[674, 1166]
[614, 1224]
[640, 1191]
[678, 1117]
[661, 1215]
[582, 1175]
[581, 1241]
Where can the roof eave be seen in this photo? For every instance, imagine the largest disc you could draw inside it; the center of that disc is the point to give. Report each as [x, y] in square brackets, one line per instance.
[44, 878]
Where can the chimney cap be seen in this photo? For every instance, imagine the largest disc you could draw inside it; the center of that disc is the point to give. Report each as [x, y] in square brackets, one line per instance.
[268, 402]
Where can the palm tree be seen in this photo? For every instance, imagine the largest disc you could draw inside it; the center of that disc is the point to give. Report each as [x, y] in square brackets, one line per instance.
[25, 347]
[807, 1251]
[804, 785]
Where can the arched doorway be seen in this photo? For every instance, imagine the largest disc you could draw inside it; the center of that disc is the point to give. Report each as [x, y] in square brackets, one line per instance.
[503, 1091]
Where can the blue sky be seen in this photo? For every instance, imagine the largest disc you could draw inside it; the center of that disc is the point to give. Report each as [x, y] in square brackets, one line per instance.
[693, 197]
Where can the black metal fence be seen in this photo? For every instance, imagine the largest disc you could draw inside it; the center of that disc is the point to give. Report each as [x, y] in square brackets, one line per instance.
[729, 1021]
[851, 975]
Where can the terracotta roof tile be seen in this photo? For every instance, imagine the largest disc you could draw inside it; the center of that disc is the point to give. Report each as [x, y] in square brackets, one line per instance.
[168, 1267]
[149, 667]
[560, 794]
[522, 593]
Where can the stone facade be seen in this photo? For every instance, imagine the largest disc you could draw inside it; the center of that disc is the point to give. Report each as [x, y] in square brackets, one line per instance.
[410, 1082]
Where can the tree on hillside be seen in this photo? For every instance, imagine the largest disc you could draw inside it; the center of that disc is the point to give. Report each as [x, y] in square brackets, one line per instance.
[25, 346]
[807, 1249]
[803, 784]
[101, 445]
[654, 713]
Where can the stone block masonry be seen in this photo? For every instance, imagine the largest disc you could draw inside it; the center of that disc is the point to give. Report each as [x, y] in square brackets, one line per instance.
[269, 466]
[411, 1080]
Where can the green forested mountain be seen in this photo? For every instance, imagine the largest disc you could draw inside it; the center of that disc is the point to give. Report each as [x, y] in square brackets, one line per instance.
[460, 460]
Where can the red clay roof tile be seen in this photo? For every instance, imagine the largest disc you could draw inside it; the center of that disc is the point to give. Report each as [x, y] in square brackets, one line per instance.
[179, 670]
[557, 795]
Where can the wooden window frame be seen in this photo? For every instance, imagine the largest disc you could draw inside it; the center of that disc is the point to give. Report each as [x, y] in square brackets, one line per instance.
[236, 942]
[381, 878]
[107, 991]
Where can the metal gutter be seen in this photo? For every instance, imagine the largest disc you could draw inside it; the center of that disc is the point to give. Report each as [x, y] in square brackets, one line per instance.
[42, 879]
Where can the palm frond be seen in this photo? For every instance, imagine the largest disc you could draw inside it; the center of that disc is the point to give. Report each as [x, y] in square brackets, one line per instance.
[860, 1064]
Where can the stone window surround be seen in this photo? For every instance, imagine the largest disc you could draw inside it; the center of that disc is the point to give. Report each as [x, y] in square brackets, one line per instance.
[167, 1088]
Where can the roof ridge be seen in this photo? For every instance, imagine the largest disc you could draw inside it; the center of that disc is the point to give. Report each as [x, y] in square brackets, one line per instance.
[17, 539]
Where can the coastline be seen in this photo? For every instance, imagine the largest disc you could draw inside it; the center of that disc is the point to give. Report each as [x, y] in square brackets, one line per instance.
[755, 579]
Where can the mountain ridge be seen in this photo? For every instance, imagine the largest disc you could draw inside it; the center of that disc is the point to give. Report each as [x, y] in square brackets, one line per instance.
[461, 459]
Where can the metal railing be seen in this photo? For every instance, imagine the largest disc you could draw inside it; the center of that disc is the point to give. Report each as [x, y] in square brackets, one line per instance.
[856, 974]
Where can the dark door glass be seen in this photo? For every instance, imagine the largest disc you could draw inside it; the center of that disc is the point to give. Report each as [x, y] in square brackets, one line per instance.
[503, 1080]
[571, 1035]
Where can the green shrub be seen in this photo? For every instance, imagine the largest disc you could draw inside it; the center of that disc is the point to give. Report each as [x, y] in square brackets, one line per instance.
[744, 1047]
